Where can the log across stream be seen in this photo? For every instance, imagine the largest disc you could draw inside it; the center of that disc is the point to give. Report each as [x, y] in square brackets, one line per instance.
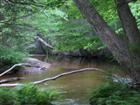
[73, 88]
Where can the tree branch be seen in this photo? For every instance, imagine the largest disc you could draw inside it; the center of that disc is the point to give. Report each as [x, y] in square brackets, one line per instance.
[68, 73]
[44, 42]
[55, 77]
[11, 79]
[14, 66]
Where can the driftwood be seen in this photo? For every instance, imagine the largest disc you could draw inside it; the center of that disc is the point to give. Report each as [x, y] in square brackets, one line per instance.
[14, 66]
[55, 77]
[44, 42]
[11, 79]
[68, 73]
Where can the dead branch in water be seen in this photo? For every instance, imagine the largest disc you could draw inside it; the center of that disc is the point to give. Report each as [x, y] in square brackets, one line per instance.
[14, 66]
[68, 73]
[11, 80]
[55, 77]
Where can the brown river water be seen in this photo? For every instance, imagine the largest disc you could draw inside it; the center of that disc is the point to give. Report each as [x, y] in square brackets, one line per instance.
[74, 89]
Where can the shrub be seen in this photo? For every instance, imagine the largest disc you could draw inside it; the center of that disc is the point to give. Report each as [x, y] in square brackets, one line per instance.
[30, 95]
[115, 94]
[26, 95]
[10, 56]
[7, 97]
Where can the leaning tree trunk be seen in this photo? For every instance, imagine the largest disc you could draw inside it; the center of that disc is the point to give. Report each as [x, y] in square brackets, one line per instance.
[132, 33]
[128, 21]
[117, 46]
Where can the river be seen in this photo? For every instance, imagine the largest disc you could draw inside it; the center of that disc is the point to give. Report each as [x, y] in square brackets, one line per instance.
[74, 89]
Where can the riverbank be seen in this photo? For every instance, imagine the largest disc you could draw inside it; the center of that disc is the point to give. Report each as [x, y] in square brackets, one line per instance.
[74, 88]
[26, 95]
[115, 94]
[28, 65]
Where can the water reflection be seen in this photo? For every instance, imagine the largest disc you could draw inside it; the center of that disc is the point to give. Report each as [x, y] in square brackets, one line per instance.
[73, 88]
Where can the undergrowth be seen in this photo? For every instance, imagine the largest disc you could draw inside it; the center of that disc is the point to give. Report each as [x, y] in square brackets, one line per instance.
[26, 95]
[115, 94]
[11, 56]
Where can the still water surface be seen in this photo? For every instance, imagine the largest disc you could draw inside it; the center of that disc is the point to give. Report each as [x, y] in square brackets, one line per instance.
[74, 89]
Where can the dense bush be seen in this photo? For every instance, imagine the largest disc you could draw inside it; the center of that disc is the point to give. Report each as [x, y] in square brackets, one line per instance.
[10, 56]
[25, 95]
[115, 94]
[7, 97]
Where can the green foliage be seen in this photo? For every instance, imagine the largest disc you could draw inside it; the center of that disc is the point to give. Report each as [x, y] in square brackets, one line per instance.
[13, 37]
[135, 8]
[115, 94]
[74, 35]
[26, 95]
[58, 20]
[107, 9]
[31, 95]
[134, 48]
[11, 56]
[71, 10]
[65, 31]
[8, 97]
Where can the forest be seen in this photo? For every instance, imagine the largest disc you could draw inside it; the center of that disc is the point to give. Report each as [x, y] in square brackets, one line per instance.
[69, 52]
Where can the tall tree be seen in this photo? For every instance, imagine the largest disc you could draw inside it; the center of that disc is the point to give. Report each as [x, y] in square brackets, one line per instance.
[120, 48]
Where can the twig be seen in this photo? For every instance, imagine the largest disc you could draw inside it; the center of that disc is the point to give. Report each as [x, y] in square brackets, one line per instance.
[55, 77]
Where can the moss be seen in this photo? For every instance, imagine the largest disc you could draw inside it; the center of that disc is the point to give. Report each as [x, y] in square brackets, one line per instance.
[115, 94]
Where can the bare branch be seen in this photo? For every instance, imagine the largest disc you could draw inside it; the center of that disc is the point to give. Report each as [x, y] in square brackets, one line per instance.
[11, 80]
[68, 73]
[14, 66]
[55, 77]
[44, 42]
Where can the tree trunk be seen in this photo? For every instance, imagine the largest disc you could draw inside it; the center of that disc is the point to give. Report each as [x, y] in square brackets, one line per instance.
[132, 32]
[117, 46]
[128, 21]
[105, 33]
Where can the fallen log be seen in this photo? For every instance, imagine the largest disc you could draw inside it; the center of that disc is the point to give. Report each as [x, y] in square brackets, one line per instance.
[11, 80]
[14, 66]
[68, 73]
[10, 85]
[55, 77]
